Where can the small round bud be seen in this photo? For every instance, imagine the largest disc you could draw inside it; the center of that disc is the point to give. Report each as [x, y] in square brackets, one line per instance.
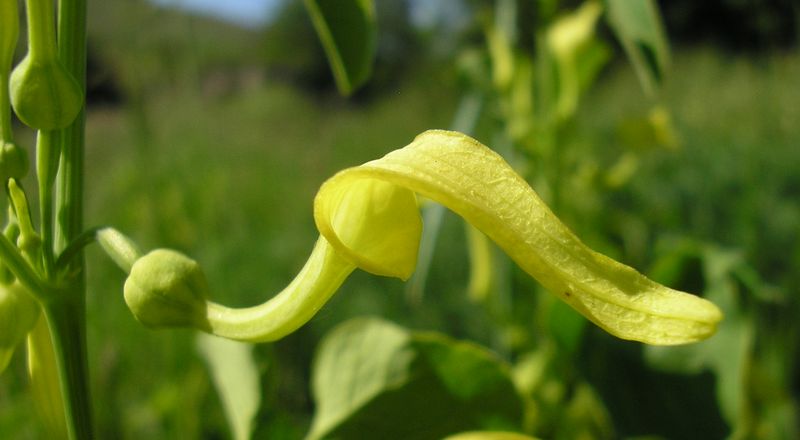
[18, 314]
[167, 289]
[13, 161]
[45, 96]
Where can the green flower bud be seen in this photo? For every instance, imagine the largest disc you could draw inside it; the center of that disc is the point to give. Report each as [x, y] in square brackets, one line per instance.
[13, 161]
[45, 96]
[18, 314]
[167, 289]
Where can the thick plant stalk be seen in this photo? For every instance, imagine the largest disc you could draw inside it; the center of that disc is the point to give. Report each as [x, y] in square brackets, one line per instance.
[66, 317]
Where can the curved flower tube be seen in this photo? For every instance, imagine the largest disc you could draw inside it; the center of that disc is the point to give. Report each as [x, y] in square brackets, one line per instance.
[368, 218]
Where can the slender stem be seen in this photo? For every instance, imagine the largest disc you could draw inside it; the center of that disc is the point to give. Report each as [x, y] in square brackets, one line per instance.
[121, 249]
[8, 42]
[12, 259]
[47, 156]
[5, 107]
[67, 321]
[41, 29]
[74, 249]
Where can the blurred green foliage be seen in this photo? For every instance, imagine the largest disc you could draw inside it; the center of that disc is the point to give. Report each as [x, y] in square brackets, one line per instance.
[211, 152]
[371, 376]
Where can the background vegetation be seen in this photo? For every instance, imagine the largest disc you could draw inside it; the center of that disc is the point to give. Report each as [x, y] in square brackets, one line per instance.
[213, 139]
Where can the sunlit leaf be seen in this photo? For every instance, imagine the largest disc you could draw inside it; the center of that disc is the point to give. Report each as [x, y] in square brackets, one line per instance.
[637, 24]
[348, 32]
[236, 378]
[371, 376]
[356, 363]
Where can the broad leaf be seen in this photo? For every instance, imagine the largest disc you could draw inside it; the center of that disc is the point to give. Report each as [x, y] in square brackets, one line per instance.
[236, 379]
[371, 376]
[348, 32]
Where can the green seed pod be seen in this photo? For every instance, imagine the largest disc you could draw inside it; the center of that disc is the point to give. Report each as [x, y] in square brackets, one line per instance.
[45, 96]
[13, 161]
[167, 289]
[18, 314]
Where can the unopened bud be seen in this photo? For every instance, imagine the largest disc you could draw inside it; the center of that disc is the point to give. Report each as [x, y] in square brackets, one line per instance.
[45, 96]
[167, 289]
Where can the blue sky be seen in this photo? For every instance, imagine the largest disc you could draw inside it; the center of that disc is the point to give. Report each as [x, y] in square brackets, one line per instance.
[254, 13]
[249, 13]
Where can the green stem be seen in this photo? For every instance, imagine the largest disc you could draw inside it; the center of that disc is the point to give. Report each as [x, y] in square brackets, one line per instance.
[69, 193]
[47, 156]
[66, 319]
[41, 29]
[9, 33]
[12, 259]
[5, 108]
[121, 249]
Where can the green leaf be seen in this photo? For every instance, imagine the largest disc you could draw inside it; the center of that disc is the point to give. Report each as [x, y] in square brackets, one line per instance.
[348, 32]
[355, 363]
[237, 380]
[637, 24]
[371, 376]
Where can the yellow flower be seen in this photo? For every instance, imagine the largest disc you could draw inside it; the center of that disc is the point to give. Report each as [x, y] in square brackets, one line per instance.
[368, 218]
